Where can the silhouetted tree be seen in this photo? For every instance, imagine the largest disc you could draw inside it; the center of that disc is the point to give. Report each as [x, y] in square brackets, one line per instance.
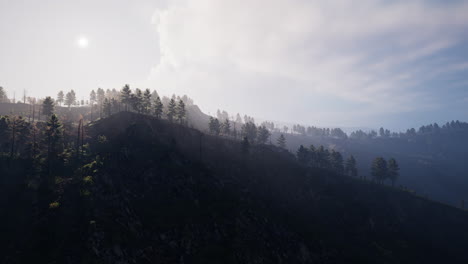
[303, 155]
[249, 130]
[336, 161]
[214, 126]
[146, 107]
[227, 127]
[126, 96]
[4, 132]
[172, 110]
[48, 106]
[180, 111]
[379, 169]
[281, 141]
[60, 98]
[158, 107]
[53, 134]
[100, 96]
[107, 107]
[393, 171]
[263, 135]
[350, 167]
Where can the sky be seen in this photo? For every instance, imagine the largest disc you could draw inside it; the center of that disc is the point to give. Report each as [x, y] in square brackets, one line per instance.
[395, 64]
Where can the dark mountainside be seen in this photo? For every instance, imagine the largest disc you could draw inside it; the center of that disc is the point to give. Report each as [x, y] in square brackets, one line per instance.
[433, 164]
[151, 191]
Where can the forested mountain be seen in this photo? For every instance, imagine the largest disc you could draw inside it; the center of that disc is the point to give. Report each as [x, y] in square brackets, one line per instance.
[432, 159]
[129, 177]
[144, 190]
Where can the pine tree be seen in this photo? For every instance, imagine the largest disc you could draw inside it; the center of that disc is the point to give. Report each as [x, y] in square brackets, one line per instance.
[137, 100]
[180, 111]
[393, 171]
[107, 108]
[126, 96]
[147, 101]
[249, 130]
[171, 110]
[48, 106]
[303, 155]
[281, 141]
[214, 126]
[158, 107]
[4, 132]
[379, 169]
[227, 127]
[53, 134]
[60, 98]
[92, 97]
[3, 95]
[336, 161]
[70, 98]
[263, 135]
[350, 167]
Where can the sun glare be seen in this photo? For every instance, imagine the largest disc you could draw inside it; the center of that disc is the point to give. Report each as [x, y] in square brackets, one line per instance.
[83, 42]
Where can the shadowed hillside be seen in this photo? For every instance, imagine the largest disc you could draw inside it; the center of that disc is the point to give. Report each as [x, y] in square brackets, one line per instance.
[150, 191]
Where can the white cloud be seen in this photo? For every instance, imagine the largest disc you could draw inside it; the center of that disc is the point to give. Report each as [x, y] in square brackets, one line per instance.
[279, 52]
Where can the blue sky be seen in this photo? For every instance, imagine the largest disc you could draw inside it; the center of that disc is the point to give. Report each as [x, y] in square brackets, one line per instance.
[395, 64]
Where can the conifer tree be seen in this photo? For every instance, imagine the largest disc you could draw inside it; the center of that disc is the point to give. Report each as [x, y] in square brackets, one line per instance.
[158, 107]
[393, 170]
[181, 112]
[3, 95]
[227, 127]
[146, 101]
[60, 98]
[107, 108]
[303, 155]
[171, 110]
[281, 141]
[249, 130]
[214, 126]
[53, 133]
[70, 98]
[350, 167]
[336, 161]
[126, 96]
[379, 169]
[263, 135]
[48, 106]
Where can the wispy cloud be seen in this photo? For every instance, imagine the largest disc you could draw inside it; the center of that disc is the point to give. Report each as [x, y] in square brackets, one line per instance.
[374, 53]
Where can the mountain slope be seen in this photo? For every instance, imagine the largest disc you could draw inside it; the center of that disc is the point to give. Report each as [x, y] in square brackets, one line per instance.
[162, 193]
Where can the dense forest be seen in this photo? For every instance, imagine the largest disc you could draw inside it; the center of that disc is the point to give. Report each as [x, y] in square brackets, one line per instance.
[131, 177]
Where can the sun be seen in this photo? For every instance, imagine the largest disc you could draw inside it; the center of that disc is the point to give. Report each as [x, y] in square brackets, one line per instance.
[83, 42]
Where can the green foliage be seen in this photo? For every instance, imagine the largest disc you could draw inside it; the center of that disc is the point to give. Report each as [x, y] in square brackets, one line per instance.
[54, 205]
